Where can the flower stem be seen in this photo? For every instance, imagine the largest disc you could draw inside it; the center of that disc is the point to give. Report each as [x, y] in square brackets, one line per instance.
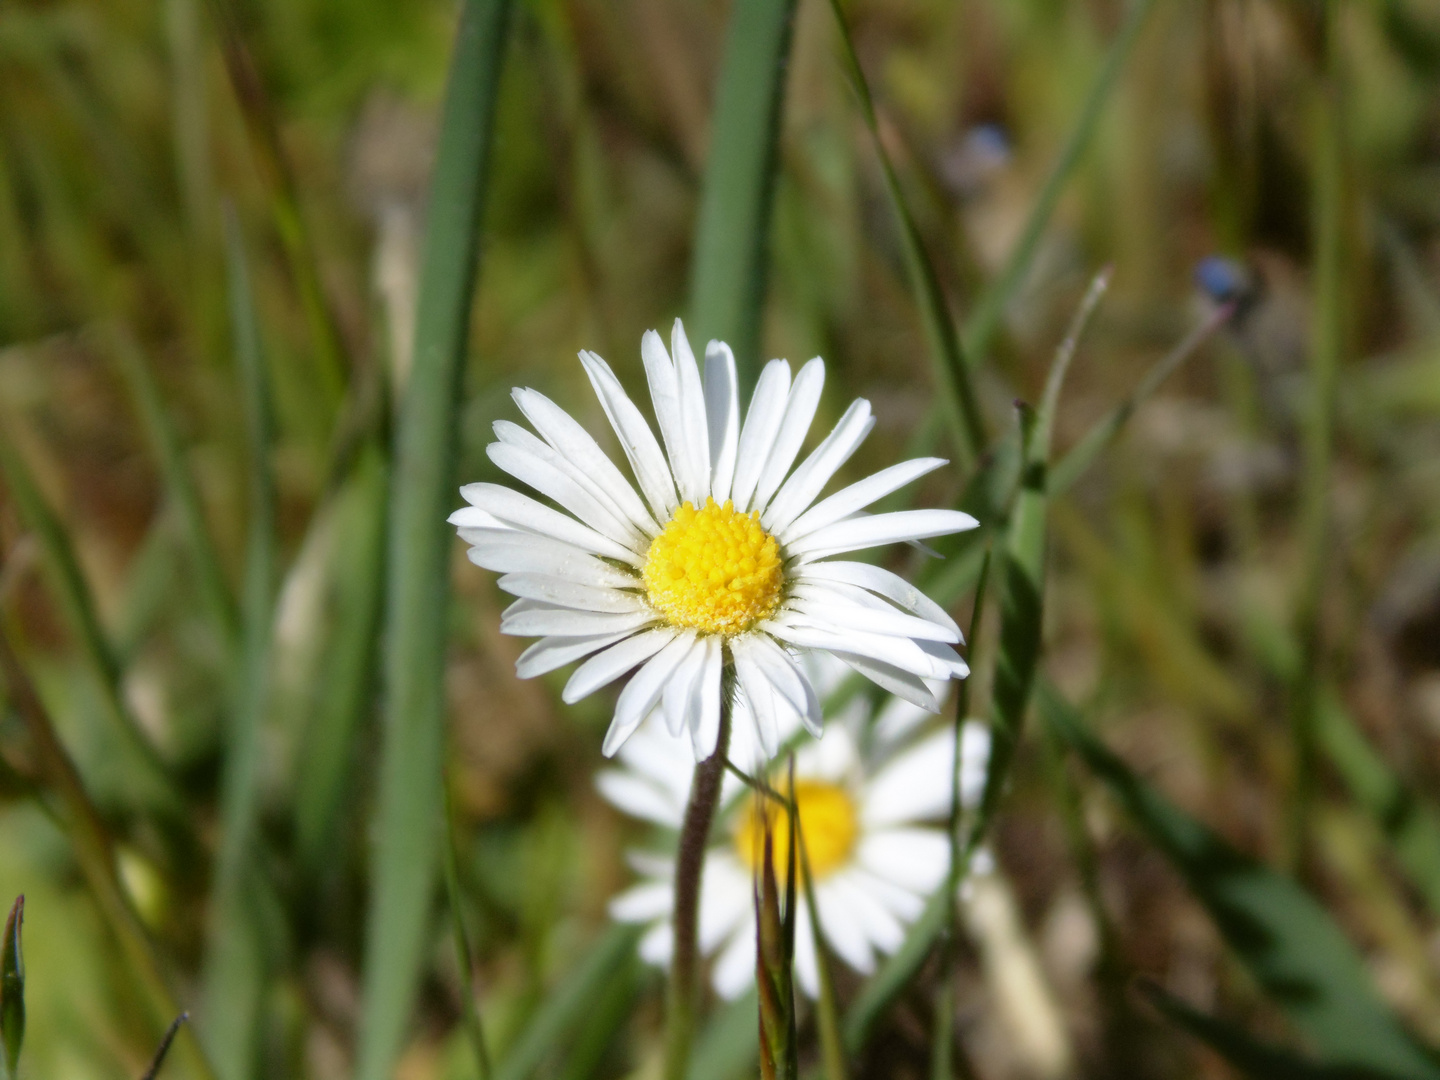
[689, 864]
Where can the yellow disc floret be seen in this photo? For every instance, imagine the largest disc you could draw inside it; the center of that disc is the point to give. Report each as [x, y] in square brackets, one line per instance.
[714, 569]
[827, 821]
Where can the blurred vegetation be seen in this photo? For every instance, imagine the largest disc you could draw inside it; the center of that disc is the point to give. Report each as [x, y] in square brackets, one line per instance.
[211, 219]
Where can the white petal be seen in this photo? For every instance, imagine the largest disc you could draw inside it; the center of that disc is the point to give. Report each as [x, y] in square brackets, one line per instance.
[949, 661]
[873, 530]
[762, 703]
[657, 945]
[541, 621]
[545, 477]
[900, 683]
[642, 693]
[643, 903]
[724, 899]
[472, 517]
[829, 607]
[896, 719]
[705, 732]
[857, 496]
[800, 408]
[975, 744]
[694, 425]
[916, 785]
[782, 672]
[510, 551]
[604, 668]
[665, 397]
[806, 482]
[806, 968]
[734, 970]
[762, 424]
[882, 582]
[834, 758]
[636, 438]
[639, 798]
[520, 511]
[680, 690]
[842, 929]
[880, 927]
[916, 859]
[722, 414]
[550, 653]
[570, 594]
[575, 444]
[904, 904]
[900, 652]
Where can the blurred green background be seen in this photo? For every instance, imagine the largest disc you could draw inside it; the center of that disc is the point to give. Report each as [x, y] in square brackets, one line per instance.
[1243, 555]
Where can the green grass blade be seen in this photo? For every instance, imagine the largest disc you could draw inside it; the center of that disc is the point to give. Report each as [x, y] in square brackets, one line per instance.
[179, 485]
[569, 1006]
[347, 679]
[78, 603]
[1410, 824]
[1094, 442]
[989, 308]
[896, 973]
[962, 408]
[235, 973]
[1022, 571]
[732, 235]
[1285, 939]
[464, 955]
[409, 813]
[729, 1047]
[12, 991]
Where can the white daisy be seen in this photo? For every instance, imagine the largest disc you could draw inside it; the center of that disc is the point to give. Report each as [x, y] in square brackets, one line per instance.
[722, 557]
[874, 861]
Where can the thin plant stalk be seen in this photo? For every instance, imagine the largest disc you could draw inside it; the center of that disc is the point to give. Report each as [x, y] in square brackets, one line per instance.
[464, 956]
[942, 1057]
[832, 1033]
[1327, 209]
[961, 406]
[689, 865]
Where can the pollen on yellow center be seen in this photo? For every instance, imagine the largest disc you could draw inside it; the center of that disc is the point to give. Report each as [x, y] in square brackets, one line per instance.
[713, 569]
[828, 822]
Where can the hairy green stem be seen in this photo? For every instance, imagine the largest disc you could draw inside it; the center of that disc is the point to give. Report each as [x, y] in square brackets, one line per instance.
[689, 865]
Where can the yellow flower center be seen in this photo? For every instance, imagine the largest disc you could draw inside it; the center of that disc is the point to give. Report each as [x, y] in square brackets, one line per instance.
[827, 820]
[714, 569]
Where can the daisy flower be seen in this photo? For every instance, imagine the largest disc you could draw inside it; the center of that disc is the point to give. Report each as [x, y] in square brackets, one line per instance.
[722, 557]
[874, 859]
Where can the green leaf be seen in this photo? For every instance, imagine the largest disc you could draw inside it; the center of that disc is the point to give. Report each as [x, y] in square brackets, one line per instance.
[962, 408]
[985, 316]
[569, 1005]
[408, 822]
[235, 966]
[12, 989]
[1410, 824]
[1245, 1052]
[1285, 939]
[727, 288]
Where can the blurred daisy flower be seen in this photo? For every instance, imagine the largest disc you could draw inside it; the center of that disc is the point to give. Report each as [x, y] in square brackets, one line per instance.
[874, 858]
[723, 555]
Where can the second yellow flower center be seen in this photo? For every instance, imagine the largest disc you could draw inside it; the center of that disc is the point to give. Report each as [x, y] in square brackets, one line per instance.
[828, 822]
[714, 569]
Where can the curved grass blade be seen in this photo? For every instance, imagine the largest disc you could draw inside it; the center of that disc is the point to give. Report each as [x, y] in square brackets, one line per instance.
[962, 408]
[408, 826]
[73, 591]
[984, 320]
[1285, 939]
[727, 290]
[12, 991]
[235, 975]
[1249, 1055]
[568, 1006]
[180, 486]
[464, 956]
[94, 852]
